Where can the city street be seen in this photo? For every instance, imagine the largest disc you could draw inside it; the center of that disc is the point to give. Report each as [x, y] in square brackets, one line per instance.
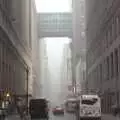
[52, 117]
[13, 117]
[66, 116]
[72, 117]
[60, 55]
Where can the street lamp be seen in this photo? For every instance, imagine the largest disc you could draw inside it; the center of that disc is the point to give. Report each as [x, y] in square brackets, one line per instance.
[27, 73]
[7, 95]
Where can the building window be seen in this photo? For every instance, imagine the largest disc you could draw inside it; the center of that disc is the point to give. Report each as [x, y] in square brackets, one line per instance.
[119, 21]
[108, 67]
[113, 29]
[101, 74]
[107, 39]
[112, 65]
[105, 69]
[119, 59]
[110, 35]
[104, 42]
[116, 61]
[117, 26]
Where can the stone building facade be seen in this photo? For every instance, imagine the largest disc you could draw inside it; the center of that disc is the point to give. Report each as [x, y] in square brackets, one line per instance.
[15, 46]
[103, 50]
[79, 41]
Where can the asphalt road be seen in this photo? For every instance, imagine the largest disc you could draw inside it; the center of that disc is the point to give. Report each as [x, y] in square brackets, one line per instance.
[66, 116]
[52, 117]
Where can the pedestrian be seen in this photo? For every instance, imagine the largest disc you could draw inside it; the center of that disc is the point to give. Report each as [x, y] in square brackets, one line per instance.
[20, 109]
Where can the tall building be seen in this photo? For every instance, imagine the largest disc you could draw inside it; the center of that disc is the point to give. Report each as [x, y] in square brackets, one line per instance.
[35, 51]
[15, 46]
[44, 70]
[103, 50]
[79, 25]
[66, 73]
[79, 40]
[81, 73]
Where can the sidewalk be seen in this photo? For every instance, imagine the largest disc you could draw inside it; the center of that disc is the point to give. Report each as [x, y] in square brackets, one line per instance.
[13, 117]
[16, 117]
[108, 117]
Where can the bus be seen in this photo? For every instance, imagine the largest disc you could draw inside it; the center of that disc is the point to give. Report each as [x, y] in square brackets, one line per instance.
[90, 107]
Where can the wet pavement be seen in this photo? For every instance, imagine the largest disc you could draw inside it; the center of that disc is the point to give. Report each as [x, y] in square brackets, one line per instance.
[66, 116]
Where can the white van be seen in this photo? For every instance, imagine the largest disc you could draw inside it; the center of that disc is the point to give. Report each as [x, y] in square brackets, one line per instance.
[90, 107]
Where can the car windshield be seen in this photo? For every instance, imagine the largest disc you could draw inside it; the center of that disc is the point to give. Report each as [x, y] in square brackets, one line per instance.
[89, 101]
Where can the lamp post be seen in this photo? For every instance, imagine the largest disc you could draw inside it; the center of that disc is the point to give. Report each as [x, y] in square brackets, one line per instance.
[27, 72]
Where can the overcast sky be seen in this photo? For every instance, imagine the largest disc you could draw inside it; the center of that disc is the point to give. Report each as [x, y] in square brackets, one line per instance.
[53, 5]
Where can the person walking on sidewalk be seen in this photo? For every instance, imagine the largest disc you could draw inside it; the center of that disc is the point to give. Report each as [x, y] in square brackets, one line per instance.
[20, 108]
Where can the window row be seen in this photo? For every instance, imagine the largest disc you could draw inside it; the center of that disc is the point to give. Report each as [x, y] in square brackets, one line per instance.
[12, 72]
[109, 33]
[108, 99]
[5, 3]
[108, 69]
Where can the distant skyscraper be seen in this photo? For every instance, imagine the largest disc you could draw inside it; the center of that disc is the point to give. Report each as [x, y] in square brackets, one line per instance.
[35, 52]
[81, 72]
[44, 70]
[54, 24]
[79, 40]
[66, 72]
[79, 25]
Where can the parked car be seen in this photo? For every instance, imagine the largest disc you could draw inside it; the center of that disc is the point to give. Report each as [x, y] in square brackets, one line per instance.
[58, 110]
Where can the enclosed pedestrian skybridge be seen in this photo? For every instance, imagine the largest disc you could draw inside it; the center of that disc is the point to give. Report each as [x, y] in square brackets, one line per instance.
[55, 25]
